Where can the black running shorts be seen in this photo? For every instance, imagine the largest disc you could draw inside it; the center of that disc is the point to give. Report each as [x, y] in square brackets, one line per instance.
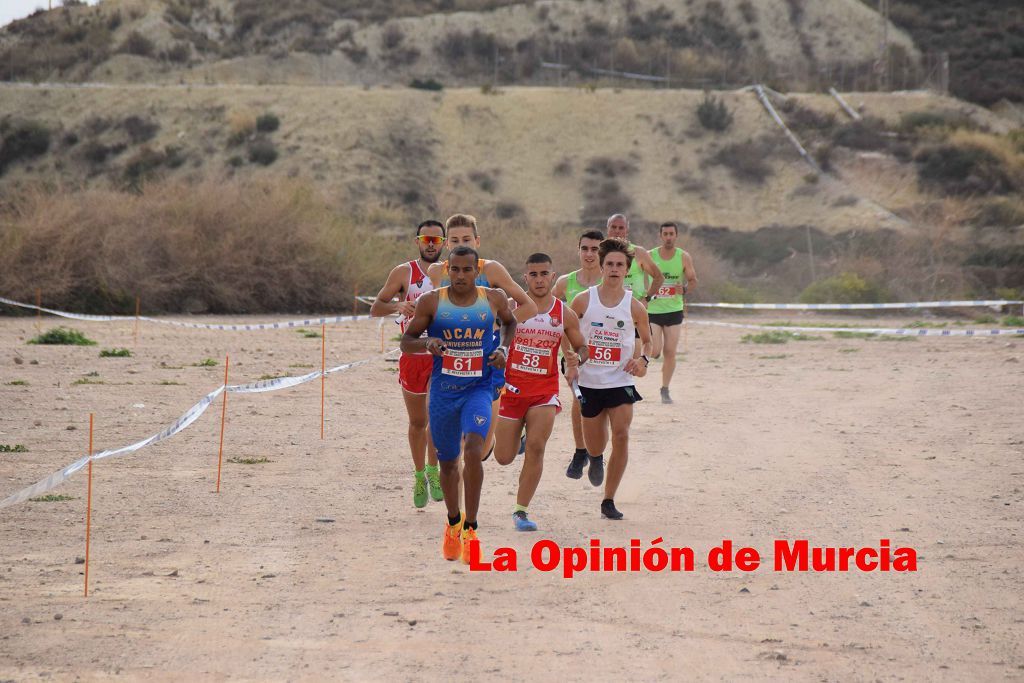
[595, 401]
[666, 319]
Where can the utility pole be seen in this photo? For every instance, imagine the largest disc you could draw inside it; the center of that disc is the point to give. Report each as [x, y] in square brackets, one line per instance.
[883, 60]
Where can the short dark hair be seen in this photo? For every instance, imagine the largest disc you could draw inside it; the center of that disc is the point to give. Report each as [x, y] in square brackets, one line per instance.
[669, 224]
[591, 235]
[430, 222]
[539, 257]
[463, 250]
[613, 244]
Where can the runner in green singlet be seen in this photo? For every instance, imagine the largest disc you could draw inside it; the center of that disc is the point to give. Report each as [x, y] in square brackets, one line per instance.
[666, 310]
[642, 266]
[566, 288]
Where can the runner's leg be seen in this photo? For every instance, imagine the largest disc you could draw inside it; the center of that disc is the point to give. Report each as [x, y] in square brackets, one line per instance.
[539, 422]
[620, 417]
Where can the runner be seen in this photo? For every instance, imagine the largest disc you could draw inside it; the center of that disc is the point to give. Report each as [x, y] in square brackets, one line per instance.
[643, 266]
[531, 396]
[408, 281]
[461, 230]
[460, 320]
[666, 310]
[567, 288]
[607, 316]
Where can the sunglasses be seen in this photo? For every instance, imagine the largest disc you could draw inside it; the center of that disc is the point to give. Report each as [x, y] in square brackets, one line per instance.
[430, 239]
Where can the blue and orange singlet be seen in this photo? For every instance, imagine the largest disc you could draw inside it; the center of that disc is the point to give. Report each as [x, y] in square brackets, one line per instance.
[468, 336]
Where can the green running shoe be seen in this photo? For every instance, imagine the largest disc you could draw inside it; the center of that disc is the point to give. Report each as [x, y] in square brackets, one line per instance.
[419, 491]
[434, 480]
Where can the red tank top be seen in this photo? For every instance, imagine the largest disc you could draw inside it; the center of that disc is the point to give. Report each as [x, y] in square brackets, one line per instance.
[532, 366]
[419, 284]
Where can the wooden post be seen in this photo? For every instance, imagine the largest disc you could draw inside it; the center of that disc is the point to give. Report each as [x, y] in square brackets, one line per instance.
[138, 304]
[88, 511]
[223, 417]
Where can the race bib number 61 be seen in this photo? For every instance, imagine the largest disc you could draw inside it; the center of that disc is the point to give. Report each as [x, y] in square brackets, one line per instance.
[463, 363]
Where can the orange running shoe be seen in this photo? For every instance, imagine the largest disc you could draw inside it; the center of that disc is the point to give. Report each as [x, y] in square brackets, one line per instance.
[451, 547]
[468, 536]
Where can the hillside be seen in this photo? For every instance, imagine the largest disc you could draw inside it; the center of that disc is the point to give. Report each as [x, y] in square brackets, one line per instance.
[791, 43]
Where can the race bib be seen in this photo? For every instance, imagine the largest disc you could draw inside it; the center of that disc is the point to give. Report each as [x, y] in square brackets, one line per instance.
[668, 290]
[604, 355]
[463, 362]
[530, 359]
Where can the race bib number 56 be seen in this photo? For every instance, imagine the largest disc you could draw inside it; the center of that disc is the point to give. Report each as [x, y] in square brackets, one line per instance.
[463, 363]
[604, 355]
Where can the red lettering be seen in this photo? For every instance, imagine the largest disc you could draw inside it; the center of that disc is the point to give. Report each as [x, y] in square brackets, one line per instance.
[575, 560]
[720, 557]
[791, 558]
[537, 555]
[505, 560]
[475, 565]
[747, 559]
[867, 560]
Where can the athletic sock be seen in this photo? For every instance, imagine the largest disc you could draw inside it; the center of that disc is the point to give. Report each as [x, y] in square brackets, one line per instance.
[608, 501]
[599, 456]
[432, 468]
[420, 473]
[453, 522]
[519, 508]
[581, 451]
[469, 525]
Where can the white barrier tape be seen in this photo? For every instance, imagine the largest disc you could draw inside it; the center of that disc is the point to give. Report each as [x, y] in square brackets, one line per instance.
[190, 416]
[863, 307]
[262, 326]
[914, 332]
[203, 326]
[58, 478]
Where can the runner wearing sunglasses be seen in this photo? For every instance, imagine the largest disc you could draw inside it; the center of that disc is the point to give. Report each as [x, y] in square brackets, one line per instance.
[408, 281]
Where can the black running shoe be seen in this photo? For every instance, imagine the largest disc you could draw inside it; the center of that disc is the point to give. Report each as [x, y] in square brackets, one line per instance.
[608, 510]
[665, 398]
[575, 470]
[596, 470]
[522, 443]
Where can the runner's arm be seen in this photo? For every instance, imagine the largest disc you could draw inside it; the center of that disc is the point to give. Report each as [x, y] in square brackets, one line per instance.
[435, 271]
[561, 284]
[574, 345]
[394, 286]
[499, 303]
[412, 342]
[691, 274]
[651, 269]
[499, 277]
[636, 365]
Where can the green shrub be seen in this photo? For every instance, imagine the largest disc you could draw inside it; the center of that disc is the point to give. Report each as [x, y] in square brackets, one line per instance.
[262, 152]
[16, 448]
[713, 114]
[912, 121]
[115, 353]
[51, 498]
[733, 293]
[206, 363]
[267, 123]
[139, 129]
[777, 337]
[745, 160]
[63, 336]
[846, 288]
[866, 134]
[1013, 321]
[138, 44]
[429, 84]
[962, 170]
[24, 140]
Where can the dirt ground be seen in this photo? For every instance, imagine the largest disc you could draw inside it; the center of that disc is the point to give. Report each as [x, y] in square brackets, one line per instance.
[839, 441]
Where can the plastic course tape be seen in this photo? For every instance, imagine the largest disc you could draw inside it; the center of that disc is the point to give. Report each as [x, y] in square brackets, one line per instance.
[861, 307]
[190, 416]
[906, 332]
[203, 326]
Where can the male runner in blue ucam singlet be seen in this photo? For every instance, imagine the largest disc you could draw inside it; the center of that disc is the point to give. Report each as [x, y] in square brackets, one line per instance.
[461, 231]
[459, 320]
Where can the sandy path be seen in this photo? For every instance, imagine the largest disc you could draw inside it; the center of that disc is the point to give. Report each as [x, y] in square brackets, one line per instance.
[841, 441]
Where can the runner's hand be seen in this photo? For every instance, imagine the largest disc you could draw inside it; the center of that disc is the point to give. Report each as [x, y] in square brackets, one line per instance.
[497, 359]
[572, 373]
[635, 367]
[435, 346]
[405, 308]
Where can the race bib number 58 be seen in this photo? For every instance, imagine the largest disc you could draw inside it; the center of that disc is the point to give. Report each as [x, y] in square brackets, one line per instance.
[463, 363]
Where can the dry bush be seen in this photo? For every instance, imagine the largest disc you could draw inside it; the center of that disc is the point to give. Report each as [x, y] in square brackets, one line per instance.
[241, 125]
[225, 247]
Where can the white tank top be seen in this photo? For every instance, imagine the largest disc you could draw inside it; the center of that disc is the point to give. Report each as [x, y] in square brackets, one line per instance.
[609, 336]
[419, 284]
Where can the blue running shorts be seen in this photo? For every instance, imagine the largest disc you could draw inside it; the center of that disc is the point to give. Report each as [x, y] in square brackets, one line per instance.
[454, 414]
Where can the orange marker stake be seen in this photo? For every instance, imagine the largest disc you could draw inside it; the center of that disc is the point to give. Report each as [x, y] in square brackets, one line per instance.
[39, 312]
[323, 375]
[223, 416]
[138, 303]
[88, 511]
[382, 339]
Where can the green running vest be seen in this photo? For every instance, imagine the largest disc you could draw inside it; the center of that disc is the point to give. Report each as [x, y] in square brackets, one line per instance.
[635, 278]
[670, 294]
[573, 287]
